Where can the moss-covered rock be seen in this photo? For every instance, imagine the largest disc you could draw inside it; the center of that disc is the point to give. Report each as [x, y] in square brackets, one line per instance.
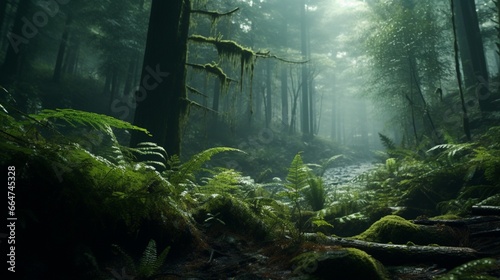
[345, 263]
[397, 230]
[232, 214]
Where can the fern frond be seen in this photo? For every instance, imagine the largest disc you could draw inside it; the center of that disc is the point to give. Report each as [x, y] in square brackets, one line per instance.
[298, 174]
[472, 270]
[97, 121]
[451, 150]
[187, 170]
[387, 142]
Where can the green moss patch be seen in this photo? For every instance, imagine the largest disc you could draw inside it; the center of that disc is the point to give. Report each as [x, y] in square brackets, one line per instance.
[396, 230]
[232, 214]
[345, 263]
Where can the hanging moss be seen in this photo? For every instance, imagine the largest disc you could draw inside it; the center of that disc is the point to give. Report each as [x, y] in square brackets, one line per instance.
[214, 69]
[233, 52]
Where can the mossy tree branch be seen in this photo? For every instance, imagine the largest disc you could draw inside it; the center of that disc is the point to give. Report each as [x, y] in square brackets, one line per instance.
[213, 14]
[214, 69]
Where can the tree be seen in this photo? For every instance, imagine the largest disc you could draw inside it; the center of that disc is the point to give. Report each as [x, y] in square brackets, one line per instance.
[19, 36]
[472, 52]
[401, 53]
[161, 98]
[305, 115]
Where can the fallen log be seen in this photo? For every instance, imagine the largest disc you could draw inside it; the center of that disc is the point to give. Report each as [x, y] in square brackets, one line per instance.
[485, 210]
[460, 222]
[392, 254]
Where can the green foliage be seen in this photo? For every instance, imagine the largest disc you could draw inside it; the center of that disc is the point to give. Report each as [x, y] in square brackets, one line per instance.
[180, 174]
[315, 194]
[149, 264]
[296, 181]
[388, 144]
[476, 269]
[97, 121]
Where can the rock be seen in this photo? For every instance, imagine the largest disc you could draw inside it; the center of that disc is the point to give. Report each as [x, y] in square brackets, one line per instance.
[344, 263]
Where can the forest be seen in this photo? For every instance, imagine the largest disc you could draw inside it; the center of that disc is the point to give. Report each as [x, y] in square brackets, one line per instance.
[250, 139]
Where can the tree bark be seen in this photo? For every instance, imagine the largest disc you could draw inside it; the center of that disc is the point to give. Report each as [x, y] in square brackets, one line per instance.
[161, 99]
[268, 103]
[17, 43]
[3, 10]
[472, 52]
[284, 98]
[304, 114]
[62, 50]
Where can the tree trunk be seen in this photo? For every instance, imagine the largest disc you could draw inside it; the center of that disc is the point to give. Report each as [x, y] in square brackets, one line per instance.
[304, 114]
[333, 132]
[269, 104]
[17, 38]
[472, 52]
[3, 10]
[284, 98]
[62, 50]
[161, 98]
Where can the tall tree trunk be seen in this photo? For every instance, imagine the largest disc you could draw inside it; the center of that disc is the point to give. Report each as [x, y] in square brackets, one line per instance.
[284, 98]
[284, 81]
[161, 98]
[305, 125]
[459, 74]
[129, 79]
[56, 77]
[269, 104]
[3, 13]
[333, 121]
[471, 48]
[73, 57]
[17, 38]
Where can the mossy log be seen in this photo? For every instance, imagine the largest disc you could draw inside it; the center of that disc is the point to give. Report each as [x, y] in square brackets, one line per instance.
[392, 254]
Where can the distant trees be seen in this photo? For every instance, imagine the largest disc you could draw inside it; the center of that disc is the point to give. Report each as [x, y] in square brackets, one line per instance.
[18, 37]
[405, 47]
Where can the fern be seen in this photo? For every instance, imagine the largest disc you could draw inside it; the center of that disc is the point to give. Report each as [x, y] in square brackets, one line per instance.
[74, 117]
[315, 195]
[297, 183]
[387, 142]
[157, 156]
[149, 264]
[452, 150]
[472, 270]
[297, 178]
[224, 181]
[188, 170]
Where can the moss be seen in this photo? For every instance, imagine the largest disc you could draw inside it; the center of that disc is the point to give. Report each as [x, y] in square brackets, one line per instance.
[214, 69]
[345, 263]
[390, 228]
[233, 51]
[235, 214]
[446, 217]
[396, 230]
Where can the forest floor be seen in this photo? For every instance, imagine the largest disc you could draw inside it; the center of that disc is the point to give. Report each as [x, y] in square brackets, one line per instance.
[240, 257]
[231, 255]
